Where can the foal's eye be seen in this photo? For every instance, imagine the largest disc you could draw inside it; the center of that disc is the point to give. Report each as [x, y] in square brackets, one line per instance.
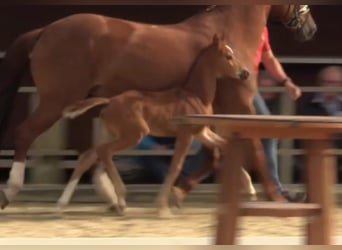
[229, 57]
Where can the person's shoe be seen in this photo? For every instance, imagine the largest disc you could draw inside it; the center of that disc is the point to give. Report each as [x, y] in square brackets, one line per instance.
[296, 197]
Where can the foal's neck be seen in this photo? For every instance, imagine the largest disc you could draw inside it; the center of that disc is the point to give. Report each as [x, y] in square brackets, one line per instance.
[202, 79]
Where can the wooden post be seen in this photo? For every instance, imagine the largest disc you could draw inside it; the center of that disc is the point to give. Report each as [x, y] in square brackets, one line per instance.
[321, 177]
[320, 166]
[229, 193]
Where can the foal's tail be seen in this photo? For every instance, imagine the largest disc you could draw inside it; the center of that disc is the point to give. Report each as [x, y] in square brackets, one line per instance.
[210, 139]
[83, 106]
[13, 67]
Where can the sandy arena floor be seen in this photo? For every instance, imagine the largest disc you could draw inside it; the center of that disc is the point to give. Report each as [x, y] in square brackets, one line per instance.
[83, 220]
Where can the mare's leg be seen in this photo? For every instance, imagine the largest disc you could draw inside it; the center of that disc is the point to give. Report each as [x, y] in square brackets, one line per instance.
[258, 157]
[183, 144]
[42, 118]
[270, 145]
[234, 98]
[86, 160]
[207, 167]
[189, 183]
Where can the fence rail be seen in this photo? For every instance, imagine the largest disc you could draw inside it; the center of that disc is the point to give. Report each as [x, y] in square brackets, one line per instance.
[276, 89]
[70, 152]
[287, 59]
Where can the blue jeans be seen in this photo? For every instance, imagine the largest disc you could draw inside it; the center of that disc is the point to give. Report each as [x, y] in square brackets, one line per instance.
[270, 145]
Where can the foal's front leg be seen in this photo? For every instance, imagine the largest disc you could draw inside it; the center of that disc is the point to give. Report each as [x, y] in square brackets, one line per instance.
[183, 144]
[86, 160]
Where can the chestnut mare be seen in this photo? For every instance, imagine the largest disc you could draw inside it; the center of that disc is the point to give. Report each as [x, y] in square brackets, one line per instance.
[132, 115]
[91, 55]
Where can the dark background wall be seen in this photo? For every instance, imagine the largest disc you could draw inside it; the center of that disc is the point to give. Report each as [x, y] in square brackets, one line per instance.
[18, 19]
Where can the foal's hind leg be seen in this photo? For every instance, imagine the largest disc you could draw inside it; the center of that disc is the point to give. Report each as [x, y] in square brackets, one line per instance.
[86, 160]
[183, 144]
[104, 187]
[105, 153]
[42, 119]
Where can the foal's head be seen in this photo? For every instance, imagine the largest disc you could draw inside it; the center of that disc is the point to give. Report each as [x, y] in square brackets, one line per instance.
[225, 62]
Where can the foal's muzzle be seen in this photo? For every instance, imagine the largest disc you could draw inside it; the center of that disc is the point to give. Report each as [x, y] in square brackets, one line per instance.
[244, 74]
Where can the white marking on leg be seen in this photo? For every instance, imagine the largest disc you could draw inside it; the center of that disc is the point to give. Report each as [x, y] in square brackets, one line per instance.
[248, 184]
[68, 192]
[104, 186]
[16, 180]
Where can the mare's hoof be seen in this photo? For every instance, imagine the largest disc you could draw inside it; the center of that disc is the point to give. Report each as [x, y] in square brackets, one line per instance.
[122, 204]
[165, 213]
[117, 210]
[61, 206]
[295, 197]
[3, 200]
[252, 197]
[178, 196]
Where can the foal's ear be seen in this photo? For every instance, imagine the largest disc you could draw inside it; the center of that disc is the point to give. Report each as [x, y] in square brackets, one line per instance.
[222, 37]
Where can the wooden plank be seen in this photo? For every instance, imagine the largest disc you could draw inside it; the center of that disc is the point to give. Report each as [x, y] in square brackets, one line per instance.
[265, 119]
[269, 126]
[275, 209]
[309, 60]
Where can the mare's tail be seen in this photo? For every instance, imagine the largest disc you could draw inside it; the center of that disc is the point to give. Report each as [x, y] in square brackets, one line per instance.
[81, 107]
[209, 138]
[12, 69]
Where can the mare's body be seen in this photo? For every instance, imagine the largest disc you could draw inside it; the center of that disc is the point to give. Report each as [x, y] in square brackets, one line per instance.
[88, 54]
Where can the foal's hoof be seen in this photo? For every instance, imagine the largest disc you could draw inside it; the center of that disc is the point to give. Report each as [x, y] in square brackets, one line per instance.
[117, 209]
[122, 204]
[61, 206]
[178, 196]
[3, 200]
[165, 213]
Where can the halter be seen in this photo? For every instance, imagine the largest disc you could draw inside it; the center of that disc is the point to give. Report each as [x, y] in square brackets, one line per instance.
[297, 21]
[210, 8]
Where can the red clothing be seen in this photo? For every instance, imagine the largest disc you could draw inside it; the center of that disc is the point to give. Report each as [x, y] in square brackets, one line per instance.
[264, 46]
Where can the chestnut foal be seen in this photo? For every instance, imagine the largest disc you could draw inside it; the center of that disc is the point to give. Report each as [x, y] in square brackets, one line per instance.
[134, 114]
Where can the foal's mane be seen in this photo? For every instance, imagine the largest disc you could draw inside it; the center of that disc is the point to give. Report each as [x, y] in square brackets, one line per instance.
[211, 8]
[195, 63]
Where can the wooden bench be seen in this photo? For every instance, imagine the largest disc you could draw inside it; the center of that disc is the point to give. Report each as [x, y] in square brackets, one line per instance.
[317, 132]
